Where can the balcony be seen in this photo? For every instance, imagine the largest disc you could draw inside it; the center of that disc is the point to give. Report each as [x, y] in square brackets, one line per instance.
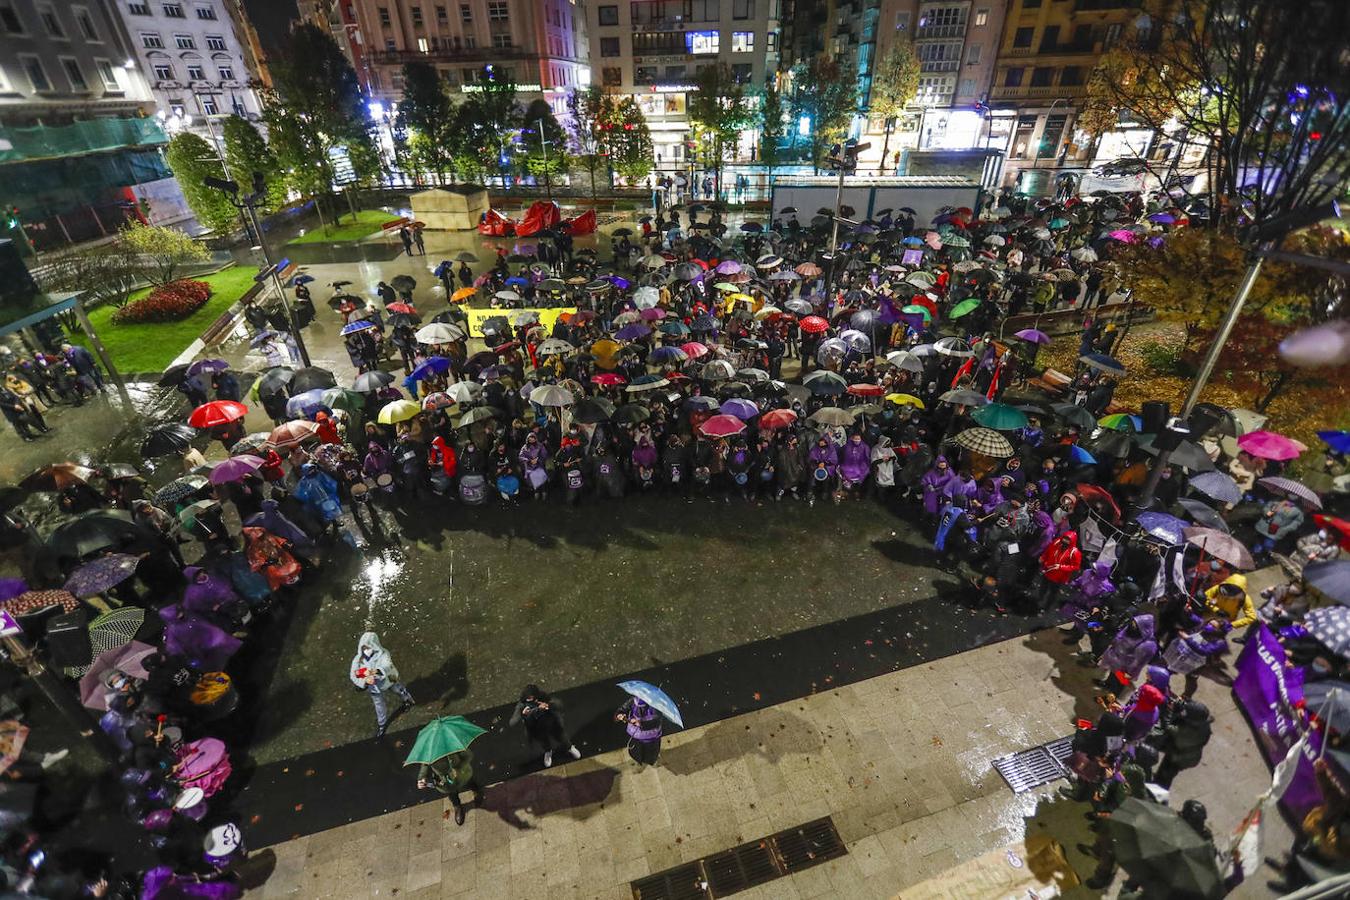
[930, 32]
[1036, 92]
[940, 65]
[448, 54]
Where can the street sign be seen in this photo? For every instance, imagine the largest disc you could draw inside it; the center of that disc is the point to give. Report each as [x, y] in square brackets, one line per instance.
[8, 627]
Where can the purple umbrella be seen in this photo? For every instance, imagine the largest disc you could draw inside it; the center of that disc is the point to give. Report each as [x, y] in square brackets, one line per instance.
[1163, 219]
[1032, 336]
[207, 367]
[632, 332]
[621, 283]
[728, 267]
[105, 572]
[1217, 486]
[11, 588]
[1163, 526]
[741, 409]
[235, 468]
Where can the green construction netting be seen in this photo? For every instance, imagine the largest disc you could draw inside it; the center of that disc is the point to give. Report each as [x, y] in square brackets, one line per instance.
[92, 136]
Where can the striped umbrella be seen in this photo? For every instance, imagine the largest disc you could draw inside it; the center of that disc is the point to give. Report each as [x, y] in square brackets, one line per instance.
[985, 441]
[1291, 488]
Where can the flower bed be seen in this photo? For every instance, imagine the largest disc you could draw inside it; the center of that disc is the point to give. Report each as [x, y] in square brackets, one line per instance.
[166, 303]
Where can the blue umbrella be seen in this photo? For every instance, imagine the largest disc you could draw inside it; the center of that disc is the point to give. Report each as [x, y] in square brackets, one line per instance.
[622, 284]
[434, 365]
[354, 327]
[667, 354]
[263, 337]
[1079, 455]
[913, 241]
[516, 279]
[704, 323]
[304, 406]
[654, 697]
[1164, 527]
[1336, 440]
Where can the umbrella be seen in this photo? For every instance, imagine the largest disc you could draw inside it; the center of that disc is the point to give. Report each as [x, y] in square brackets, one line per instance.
[905, 361]
[1158, 849]
[964, 397]
[610, 379]
[554, 347]
[985, 441]
[1187, 454]
[1291, 488]
[1217, 486]
[1084, 254]
[438, 400]
[775, 419]
[808, 270]
[1079, 456]
[463, 294]
[1338, 441]
[311, 377]
[464, 391]
[167, 440]
[592, 411]
[1331, 626]
[722, 426]
[293, 434]
[1072, 414]
[173, 375]
[305, 405]
[354, 327]
[1203, 514]
[718, 369]
[275, 380]
[631, 413]
[441, 737]
[236, 468]
[551, 395]
[57, 477]
[350, 402]
[1331, 578]
[1121, 422]
[1221, 546]
[479, 414]
[814, 325]
[654, 697]
[964, 308]
[439, 333]
[1162, 526]
[1269, 445]
[799, 306]
[953, 346]
[398, 411]
[99, 575]
[96, 530]
[864, 389]
[1000, 417]
[465, 256]
[905, 400]
[740, 408]
[832, 416]
[180, 489]
[1102, 363]
[633, 332]
[208, 367]
[1032, 336]
[432, 365]
[667, 356]
[368, 382]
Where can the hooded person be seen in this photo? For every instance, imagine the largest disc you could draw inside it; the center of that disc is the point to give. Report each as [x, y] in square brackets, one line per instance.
[532, 457]
[855, 462]
[205, 647]
[274, 520]
[373, 671]
[1060, 564]
[1134, 646]
[824, 460]
[1230, 599]
[1003, 568]
[212, 597]
[643, 724]
[1086, 593]
[791, 468]
[542, 716]
[271, 556]
[606, 471]
[934, 483]
[1143, 711]
[1183, 740]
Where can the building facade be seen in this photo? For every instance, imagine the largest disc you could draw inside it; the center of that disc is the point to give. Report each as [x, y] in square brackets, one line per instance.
[654, 49]
[1047, 53]
[80, 148]
[195, 63]
[540, 44]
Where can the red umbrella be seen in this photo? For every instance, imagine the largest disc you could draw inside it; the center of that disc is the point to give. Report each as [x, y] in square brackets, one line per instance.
[608, 379]
[217, 412]
[777, 418]
[814, 325]
[1100, 500]
[1339, 527]
[866, 390]
[926, 302]
[694, 349]
[722, 426]
[403, 308]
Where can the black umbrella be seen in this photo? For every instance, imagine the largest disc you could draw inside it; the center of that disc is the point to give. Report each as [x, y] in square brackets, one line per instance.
[167, 440]
[631, 413]
[1203, 514]
[1073, 414]
[311, 377]
[592, 411]
[1331, 578]
[1188, 454]
[367, 382]
[403, 283]
[180, 489]
[274, 381]
[1160, 851]
[94, 531]
[57, 477]
[622, 232]
[1114, 444]
[173, 375]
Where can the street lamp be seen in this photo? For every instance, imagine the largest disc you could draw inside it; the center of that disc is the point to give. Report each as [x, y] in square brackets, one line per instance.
[249, 204]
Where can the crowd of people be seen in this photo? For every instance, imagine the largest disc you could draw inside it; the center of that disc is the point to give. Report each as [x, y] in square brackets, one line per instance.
[702, 363]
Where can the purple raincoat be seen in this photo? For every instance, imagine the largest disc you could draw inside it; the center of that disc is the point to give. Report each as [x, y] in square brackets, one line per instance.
[195, 639]
[856, 462]
[1128, 653]
[933, 482]
[644, 453]
[827, 455]
[209, 596]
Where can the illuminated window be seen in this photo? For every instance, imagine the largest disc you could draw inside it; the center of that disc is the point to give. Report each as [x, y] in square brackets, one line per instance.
[981, 17]
[742, 42]
[702, 42]
[422, 45]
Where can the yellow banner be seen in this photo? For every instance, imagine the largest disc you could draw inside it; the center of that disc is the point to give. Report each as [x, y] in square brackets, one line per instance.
[547, 317]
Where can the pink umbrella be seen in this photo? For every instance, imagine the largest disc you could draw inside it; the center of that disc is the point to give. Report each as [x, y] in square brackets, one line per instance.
[728, 267]
[1120, 234]
[1269, 445]
[722, 426]
[128, 659]
[655, 314]
[608, 379]
[694, 349]
[236, 468]
[933, 239]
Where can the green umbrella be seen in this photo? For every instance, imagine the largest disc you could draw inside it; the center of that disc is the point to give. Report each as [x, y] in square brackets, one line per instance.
[1000, 417]
[441, 737]
[955, 240]
[348, 401]
[964, 307]
[1156, 848]
[915, 308]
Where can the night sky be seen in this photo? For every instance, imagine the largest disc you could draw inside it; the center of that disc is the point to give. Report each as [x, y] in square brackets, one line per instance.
[272, 18]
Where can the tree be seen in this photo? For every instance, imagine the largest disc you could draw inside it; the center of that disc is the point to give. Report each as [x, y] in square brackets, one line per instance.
[826, 96]
[317, 112]
[894, 87]
[107, 272]
[586, 110]
[247, 152]
[542, 142]
[160, 252]
[771, 126]
[719, 108]
[193, 161]
[491, 116]
[1262, 87]
[629, 140]
[428, 113]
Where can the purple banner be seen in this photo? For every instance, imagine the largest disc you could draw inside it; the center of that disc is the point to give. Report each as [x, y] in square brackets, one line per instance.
[1266, 691]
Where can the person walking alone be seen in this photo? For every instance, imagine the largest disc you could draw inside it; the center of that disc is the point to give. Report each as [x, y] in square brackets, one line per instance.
[542, 716]
[374, 672]
[452, 775]
[644, 730]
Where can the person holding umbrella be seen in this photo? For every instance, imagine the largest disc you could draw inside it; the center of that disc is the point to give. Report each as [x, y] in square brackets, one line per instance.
[641, 716]
[373, 671]
[445, 762]
[541, 715]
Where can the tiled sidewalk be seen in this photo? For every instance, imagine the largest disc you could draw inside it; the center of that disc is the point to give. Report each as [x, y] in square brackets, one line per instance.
[901, 762]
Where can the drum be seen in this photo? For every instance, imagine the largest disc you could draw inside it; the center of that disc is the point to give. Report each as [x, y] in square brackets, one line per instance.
[384, 480]
[359, 490]
[472, 490]
[1182, 658]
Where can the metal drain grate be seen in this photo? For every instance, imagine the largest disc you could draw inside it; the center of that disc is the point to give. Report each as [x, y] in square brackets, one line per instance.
[683, 883]
[808, 845]
[740, 868]
[1032, 768]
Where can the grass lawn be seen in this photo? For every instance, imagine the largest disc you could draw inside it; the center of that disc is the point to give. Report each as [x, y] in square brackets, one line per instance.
[151, 347]
[368, 221]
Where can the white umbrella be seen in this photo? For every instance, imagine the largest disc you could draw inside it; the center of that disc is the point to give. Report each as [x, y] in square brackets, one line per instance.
[438, 333]
[1084, 254]
[555, 347]
[551, 395]
[646, 297]
[464, 391]
[995, 240]
[903, 359]
[506, 295]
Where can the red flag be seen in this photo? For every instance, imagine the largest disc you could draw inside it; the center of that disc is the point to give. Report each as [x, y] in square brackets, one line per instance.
[993, 382]
[965, 370]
